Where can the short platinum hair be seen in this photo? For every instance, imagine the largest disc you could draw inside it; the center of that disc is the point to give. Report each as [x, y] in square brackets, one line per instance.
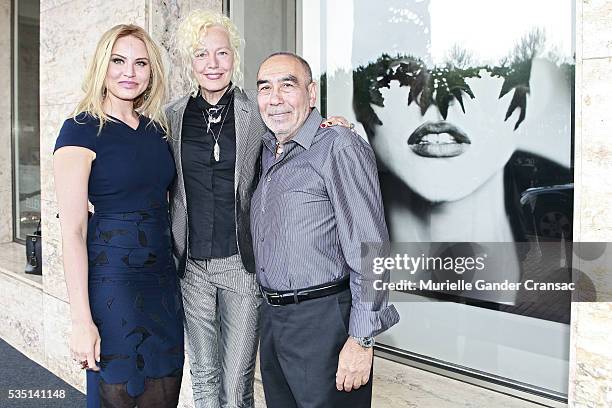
[187, 39]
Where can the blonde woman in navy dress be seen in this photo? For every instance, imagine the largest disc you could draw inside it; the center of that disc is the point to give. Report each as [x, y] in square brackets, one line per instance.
[125, 306]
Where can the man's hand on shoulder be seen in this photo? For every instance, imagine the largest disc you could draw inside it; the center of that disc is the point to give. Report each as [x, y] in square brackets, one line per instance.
[354, 366]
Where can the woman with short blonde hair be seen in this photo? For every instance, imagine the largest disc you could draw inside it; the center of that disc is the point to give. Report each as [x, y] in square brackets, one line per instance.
[127, 327]
[187, 41]
[215, 132]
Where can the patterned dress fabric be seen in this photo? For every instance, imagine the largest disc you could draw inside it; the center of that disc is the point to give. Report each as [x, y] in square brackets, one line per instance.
[133, 286]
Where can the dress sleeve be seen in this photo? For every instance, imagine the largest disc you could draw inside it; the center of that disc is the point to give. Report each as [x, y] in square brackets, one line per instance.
[80, 132]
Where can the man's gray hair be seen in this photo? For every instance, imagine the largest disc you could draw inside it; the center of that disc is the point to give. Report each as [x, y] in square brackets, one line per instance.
[301, 60]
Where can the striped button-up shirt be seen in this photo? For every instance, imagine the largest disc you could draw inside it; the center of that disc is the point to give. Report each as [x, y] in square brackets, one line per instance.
[314, 206]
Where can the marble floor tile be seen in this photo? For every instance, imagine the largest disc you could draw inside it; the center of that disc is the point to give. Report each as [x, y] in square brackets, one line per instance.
[400, 386]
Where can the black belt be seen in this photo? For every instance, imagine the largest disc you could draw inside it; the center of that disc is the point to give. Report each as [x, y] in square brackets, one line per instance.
[288, 297]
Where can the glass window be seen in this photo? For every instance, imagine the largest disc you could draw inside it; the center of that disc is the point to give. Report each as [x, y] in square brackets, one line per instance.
[26, 132]
[262, 38]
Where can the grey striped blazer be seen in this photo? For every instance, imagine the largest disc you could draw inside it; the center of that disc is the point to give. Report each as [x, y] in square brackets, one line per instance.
[249, 129]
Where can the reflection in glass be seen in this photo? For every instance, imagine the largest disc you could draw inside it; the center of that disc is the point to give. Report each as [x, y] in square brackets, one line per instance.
[26, 118]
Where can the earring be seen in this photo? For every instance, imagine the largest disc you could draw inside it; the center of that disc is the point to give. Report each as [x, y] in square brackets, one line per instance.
[104, 93]
[147, 93]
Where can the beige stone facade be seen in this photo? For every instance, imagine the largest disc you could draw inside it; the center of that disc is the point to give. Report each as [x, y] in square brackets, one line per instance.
[34, 313]
[590, 383]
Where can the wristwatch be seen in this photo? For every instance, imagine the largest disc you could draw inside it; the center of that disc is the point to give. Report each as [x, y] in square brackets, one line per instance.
[365, 342]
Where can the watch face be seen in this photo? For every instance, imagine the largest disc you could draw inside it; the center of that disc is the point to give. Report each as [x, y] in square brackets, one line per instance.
[366, 341]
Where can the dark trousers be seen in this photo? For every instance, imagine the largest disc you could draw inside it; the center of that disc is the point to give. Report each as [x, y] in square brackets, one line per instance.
[299, 349]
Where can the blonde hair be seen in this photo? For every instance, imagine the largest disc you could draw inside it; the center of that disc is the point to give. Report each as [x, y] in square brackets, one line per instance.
[149, 103]
[186, 41]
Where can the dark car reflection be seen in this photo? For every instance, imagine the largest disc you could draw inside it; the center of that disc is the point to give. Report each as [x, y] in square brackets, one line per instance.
[549, 211]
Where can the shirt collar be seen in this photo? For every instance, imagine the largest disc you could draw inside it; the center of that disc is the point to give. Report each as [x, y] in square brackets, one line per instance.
[305, 134]
[225, 99]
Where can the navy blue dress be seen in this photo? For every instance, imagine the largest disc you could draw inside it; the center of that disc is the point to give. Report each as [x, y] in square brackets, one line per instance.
[133, 287]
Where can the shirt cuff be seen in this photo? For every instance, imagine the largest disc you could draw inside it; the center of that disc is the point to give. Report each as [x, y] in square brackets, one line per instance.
[370, 323]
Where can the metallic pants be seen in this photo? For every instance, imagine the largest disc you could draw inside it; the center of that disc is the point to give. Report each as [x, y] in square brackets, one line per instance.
[221, 301]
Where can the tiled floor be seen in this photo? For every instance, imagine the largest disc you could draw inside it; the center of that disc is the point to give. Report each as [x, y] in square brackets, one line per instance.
[400, 386]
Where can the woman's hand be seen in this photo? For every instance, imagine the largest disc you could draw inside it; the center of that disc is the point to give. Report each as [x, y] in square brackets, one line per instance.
[337, 120]
[85, 345]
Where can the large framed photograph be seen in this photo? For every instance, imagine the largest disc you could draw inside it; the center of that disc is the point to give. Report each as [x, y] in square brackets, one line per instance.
[468, 106]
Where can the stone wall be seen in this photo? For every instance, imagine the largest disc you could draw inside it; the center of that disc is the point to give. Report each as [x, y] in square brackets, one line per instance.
[591, 327]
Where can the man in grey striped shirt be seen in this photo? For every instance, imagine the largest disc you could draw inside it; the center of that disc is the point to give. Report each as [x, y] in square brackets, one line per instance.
[317, 200]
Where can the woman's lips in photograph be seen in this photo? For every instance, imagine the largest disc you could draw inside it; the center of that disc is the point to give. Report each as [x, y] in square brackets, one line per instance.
[438, 140]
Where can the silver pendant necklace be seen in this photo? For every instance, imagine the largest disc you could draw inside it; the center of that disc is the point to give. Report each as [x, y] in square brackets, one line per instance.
[211, 118]
[213, 115]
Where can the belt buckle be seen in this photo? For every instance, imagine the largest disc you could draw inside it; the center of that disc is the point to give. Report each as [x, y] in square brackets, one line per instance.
[268, 296]
[273, 297]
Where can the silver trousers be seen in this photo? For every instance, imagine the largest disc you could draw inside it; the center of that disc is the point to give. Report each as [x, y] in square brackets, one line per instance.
[221, 301]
